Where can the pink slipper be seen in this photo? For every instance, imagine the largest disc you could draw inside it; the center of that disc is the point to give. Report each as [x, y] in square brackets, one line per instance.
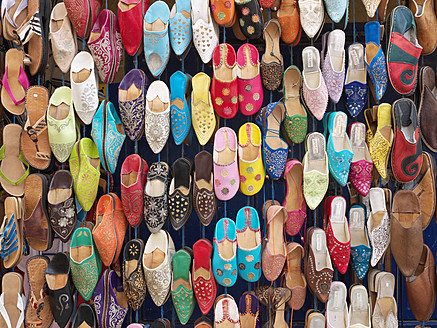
[250, 89]
[226, 177]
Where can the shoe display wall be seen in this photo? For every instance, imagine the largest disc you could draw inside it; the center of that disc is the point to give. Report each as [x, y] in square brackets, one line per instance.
[214, 163]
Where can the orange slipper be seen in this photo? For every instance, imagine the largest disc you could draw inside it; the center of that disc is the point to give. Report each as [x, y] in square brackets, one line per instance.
[288, 16]
[223, 12]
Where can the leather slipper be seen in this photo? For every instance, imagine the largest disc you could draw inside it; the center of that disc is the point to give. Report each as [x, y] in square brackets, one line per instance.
[34, 141]
[13, 168]
[39, 233]
[38, 310]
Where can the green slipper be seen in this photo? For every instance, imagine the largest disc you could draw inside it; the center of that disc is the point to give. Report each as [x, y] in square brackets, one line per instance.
[85, 262]
[182, 289]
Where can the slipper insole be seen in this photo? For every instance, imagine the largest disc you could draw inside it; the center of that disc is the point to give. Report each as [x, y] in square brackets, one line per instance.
[273, 123]
[201, 83]
[157, 105]
[81, 76]
[294, 275]
[227, 155]
[204, 175]
[249, 152]
[318, 245]
[35, 48]
[358, 137]
[247, 239]
[154, 259]
[59, 112]
[130, 94]
[12, 286]
[78, 254]
[226, 249]
[275, 233]
[178, 83]
[336, 40]
[357, 70]
[129, 179]
[224, 73]
[316, 153]
[250, 70]
[126, 6]
[359, 304]
[317, 322]
[200, 11]
[337, 306]
[294, 182]
[181, 177]
[56, 281]
[272, 34]
[357, 226]
[311, 69]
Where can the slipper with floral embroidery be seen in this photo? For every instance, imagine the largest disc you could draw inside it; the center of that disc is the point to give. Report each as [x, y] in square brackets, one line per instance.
[226, 177]
[224, 88]
[249, 244]
[252, 173]
[250, 89]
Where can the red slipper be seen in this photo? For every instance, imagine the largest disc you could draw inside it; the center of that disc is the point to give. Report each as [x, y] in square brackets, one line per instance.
[224, 88]
[204, 286]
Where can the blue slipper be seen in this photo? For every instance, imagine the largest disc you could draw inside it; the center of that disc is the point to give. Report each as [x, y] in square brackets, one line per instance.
[336, 9]
[339, 148]
[361, 252]
[180, 90]
[249, 244]
[181, 32]
[156, 42]
[108, 135]
[355, 85]
[376, 65]
[224, 260]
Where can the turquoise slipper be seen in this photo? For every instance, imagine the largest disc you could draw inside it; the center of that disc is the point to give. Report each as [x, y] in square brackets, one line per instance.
[180, 109]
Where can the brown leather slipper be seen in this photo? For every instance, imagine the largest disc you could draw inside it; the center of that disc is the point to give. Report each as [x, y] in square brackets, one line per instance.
[38, 310]
[13, 168]
[35, 144]
[39, 233]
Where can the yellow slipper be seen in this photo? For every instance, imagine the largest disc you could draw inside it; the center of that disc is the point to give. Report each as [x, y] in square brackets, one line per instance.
[379, 136]
[201, 108]
[251, 166]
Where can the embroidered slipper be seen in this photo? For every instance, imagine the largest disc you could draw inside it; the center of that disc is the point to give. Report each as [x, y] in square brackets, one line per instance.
[80, 15]
[315, 92]
[250, 162]
[250, 88]
[204, 201]
[249, 244]
[85, 169]
[226, 177]
[293, 278]
[289, 18]
[39, 233]
[296, 121]
[105, 45]
[333, 62]
[13, 168]
[130, 15]
[294, 201]
[85, 262]
[156, 37]
[248, 307]
[224, 88]
[84, 86]
[180, 91]
[180, 27]
[312, 24]
[14, 14]
[110, 228]
[250, 18]
[63, 38]
[156, 196]
[181, 288]
[134, 284]
[375, 60]
[157, 128]
[34, 141]
[360, 173]
[275, 149]
[61, 123]
[61, 208]
[205, 30]
[180, 197]
[272, 62]
[38, 310]
[223, 12]
[355, 84]
[226, 312]
[108, 135]
[360, 243]
[224, 262]
[133, 181]
[35, 33]
[11, 233]
[12, 301]
[204, 285]
[131, 101]
[202, 112]
[316, 172]
[14, 82]
[274, 252]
